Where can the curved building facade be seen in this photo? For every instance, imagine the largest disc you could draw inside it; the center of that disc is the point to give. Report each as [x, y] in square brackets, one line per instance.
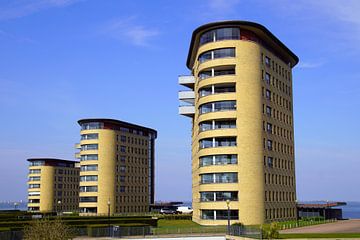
[116, 167]
[240, 102]
[53, 185]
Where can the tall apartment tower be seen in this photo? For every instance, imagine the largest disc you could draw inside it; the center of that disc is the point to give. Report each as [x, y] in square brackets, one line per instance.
[53, 185]
[240, 103]
[116, 167]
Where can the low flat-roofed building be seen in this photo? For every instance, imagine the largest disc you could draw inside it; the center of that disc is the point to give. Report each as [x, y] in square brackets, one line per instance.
[53, 185]
[320, 209]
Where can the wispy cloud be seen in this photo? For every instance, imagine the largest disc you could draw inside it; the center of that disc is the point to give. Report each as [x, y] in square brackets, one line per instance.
[16, 38]
[21, 8]
[128, 30]
[347, 11]
[304, 64]
[223, 6]
[214, 10]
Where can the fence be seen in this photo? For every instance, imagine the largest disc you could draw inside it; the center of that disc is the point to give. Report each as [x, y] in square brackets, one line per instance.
[303, 223]
[11, 235]
[248, 232]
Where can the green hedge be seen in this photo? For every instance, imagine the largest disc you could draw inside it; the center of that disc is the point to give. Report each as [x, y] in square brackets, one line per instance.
[87, 222]
[177, 217]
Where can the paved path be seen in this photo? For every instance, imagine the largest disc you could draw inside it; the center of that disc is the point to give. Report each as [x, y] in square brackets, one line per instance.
[345, 226]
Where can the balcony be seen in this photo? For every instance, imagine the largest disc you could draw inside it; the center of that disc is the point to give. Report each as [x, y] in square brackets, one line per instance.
[188, 110]
[77, 146]
[187, 81]
[187, 96]
[77, 155]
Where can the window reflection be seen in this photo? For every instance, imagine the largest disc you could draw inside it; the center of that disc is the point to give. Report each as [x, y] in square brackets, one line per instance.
[220, 34]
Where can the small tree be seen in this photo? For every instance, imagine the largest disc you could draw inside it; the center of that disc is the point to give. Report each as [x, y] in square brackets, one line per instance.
[47, 230]
[270, 231]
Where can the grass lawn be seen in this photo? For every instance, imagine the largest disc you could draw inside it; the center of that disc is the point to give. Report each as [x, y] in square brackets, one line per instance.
[185, 226]
[320, 235]
[163, 223]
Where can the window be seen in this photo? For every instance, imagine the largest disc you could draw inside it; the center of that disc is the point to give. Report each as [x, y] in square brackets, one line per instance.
[86, 147]
[267, 78]
[88, 210]
[122, 169]
[123, 138]
[89, 178]
[88, 157]
[122, 189]
[219, 34]
[205, 56]
[217, 106]
[34, 201]
[218, 71]
[217, 142]
[218, 196]
[204, 126]
[207, 196]
[122, 158]
[269, 127]
[217, 53]
[268, 94]
[34, 185]
[219, 178]
[205, 74]
[37, 178]
[225, 142]
[122, 178]
[225, 124]
[205, 91]
[218, 160]
[88, 188]
[37, 163]
[267, 61]
[268, 111]
[89, 136]
[217, 124]
[269, 145]
[219, 214]
[92, 125]
[30, 194]
[216, 89]
[34, 171]
[88, 199]
[122, 149]
[270, 162]
[85, 168]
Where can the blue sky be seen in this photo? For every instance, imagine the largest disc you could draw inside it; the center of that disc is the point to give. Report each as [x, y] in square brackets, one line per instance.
[62, 60]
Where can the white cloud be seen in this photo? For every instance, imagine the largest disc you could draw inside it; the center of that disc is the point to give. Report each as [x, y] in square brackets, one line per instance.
[21, 8]
[304, 64]
[127, 30]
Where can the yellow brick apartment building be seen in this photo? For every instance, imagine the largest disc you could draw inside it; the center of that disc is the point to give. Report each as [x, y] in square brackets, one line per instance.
[116, 167]
[53, 185]
[240, 100]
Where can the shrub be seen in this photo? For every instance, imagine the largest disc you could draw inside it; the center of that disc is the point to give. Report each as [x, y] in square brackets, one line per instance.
[47, 230]
[270, 231]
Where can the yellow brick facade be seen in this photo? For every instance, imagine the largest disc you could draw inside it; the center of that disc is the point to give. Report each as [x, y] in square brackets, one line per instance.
[124, 174]
[256, 165]
[53, 185]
